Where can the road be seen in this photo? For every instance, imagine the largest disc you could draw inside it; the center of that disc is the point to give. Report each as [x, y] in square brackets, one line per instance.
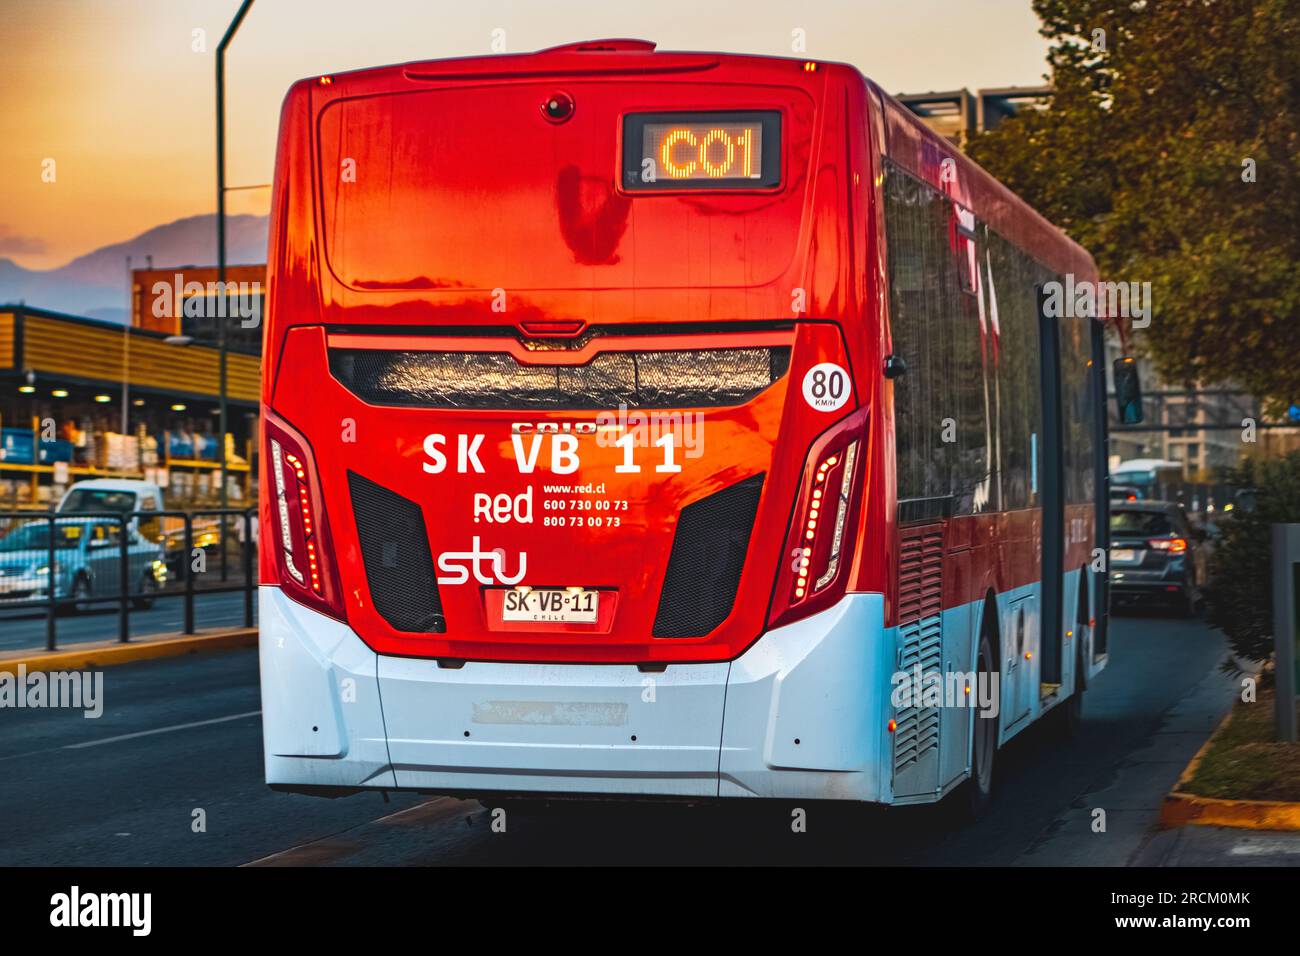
[183, 735]
[26, 628]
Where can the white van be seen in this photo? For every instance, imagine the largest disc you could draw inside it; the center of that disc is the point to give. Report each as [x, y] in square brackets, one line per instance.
[112, 496]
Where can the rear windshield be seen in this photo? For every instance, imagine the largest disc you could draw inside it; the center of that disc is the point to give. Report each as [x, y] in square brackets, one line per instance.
[1141, 522]
[102, 500]
[470, 188]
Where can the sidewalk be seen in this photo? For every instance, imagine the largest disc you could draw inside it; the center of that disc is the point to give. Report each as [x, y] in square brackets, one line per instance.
[1220, 846]
[1133, 795]
[1207, 831]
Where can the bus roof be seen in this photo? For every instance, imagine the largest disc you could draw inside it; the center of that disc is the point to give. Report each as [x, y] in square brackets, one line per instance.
[552, 218]
[906, 138]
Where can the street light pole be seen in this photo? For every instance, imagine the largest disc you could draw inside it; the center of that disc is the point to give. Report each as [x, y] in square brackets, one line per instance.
[221, 241]
[126, 347]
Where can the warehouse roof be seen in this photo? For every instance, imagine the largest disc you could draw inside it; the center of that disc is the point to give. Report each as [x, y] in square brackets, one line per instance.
[73, 349]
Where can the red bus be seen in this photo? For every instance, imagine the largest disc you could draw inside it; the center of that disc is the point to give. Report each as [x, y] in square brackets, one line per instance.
[673, 424]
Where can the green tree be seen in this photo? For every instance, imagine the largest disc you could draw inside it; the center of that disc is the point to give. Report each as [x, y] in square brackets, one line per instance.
[1239, 598]
[1163, 111]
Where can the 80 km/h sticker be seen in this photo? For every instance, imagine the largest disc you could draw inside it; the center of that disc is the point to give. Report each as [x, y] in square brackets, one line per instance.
[826, 387]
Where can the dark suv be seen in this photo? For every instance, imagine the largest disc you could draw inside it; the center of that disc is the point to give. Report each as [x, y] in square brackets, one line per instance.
[1155, 556]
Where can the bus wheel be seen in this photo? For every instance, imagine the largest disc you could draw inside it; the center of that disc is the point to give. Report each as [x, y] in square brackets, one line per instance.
[977, 792]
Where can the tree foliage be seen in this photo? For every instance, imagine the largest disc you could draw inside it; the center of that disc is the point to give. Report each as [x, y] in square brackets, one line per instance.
[1239, 598]
[1160, 108]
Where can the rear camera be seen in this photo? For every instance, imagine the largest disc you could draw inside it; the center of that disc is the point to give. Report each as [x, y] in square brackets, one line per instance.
[558, 107]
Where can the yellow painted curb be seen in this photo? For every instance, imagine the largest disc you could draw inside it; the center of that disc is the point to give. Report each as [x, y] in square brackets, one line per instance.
[1181, 808]
[109, 653]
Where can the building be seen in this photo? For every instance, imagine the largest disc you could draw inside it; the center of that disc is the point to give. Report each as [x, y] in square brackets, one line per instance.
[957, 115]
[1217, 442]
[85, 398]
[188, 301]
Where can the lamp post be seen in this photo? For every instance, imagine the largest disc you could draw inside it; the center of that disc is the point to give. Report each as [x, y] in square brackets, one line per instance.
[126, 347]
[221, 240]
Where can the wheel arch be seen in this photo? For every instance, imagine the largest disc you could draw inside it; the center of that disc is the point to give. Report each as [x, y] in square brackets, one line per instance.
[991, 624]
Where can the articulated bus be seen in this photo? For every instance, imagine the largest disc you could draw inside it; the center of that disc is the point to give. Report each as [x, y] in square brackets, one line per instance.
[674, 425]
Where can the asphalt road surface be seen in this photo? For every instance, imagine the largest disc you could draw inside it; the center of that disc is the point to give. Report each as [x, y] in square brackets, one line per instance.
[183, 735]
[25, 628]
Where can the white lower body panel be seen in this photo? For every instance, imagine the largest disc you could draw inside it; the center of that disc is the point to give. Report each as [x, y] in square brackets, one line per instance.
[554, 727]
[801, 714]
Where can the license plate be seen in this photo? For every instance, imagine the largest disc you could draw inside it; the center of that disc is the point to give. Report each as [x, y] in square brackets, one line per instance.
[551, 606]
[1123, 556]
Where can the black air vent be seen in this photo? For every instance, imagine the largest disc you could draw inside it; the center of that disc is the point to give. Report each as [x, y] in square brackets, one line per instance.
[399, 565]
[707, 558]
[666, 378]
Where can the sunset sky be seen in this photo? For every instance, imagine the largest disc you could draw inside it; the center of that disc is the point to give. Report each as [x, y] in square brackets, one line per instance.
[115, 94]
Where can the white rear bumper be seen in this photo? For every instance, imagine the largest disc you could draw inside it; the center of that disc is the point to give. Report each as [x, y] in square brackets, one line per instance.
[801, 714]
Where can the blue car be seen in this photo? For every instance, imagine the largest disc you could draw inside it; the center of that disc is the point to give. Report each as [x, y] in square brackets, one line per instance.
[1155, 556]
[87, 563]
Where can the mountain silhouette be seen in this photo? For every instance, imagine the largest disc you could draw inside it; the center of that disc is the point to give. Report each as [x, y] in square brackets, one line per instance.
[96, 285]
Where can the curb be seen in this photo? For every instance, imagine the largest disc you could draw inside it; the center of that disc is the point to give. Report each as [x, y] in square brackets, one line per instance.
[1181, 808]
[110, 653]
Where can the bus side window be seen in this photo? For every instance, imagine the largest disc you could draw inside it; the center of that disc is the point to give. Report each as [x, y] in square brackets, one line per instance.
[942, 444]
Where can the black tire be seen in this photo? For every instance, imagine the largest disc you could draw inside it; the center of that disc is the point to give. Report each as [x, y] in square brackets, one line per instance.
[148, 585]
[79, 595]
[976, 794]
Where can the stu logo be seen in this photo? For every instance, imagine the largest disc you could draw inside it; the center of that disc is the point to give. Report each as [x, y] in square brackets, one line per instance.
[457, 565]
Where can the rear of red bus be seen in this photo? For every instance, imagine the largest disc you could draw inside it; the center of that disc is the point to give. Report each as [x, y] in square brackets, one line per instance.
[574, 447]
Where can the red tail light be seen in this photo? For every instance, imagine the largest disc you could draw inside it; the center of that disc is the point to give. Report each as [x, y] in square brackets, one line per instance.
[1172, 545]
[819, 548]
[301, 537]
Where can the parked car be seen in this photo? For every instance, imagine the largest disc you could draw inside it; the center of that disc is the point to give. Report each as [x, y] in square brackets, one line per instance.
[1155, 556]
[127, 496]
[87, 563]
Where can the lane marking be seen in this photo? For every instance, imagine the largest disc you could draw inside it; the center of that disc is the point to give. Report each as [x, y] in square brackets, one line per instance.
[317, 853]
[345, 843]
[160, 730]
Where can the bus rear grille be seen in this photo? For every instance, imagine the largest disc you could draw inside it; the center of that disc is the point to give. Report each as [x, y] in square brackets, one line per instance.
[920, 636]
[675, 378]
[395, 550]
[707, 558]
